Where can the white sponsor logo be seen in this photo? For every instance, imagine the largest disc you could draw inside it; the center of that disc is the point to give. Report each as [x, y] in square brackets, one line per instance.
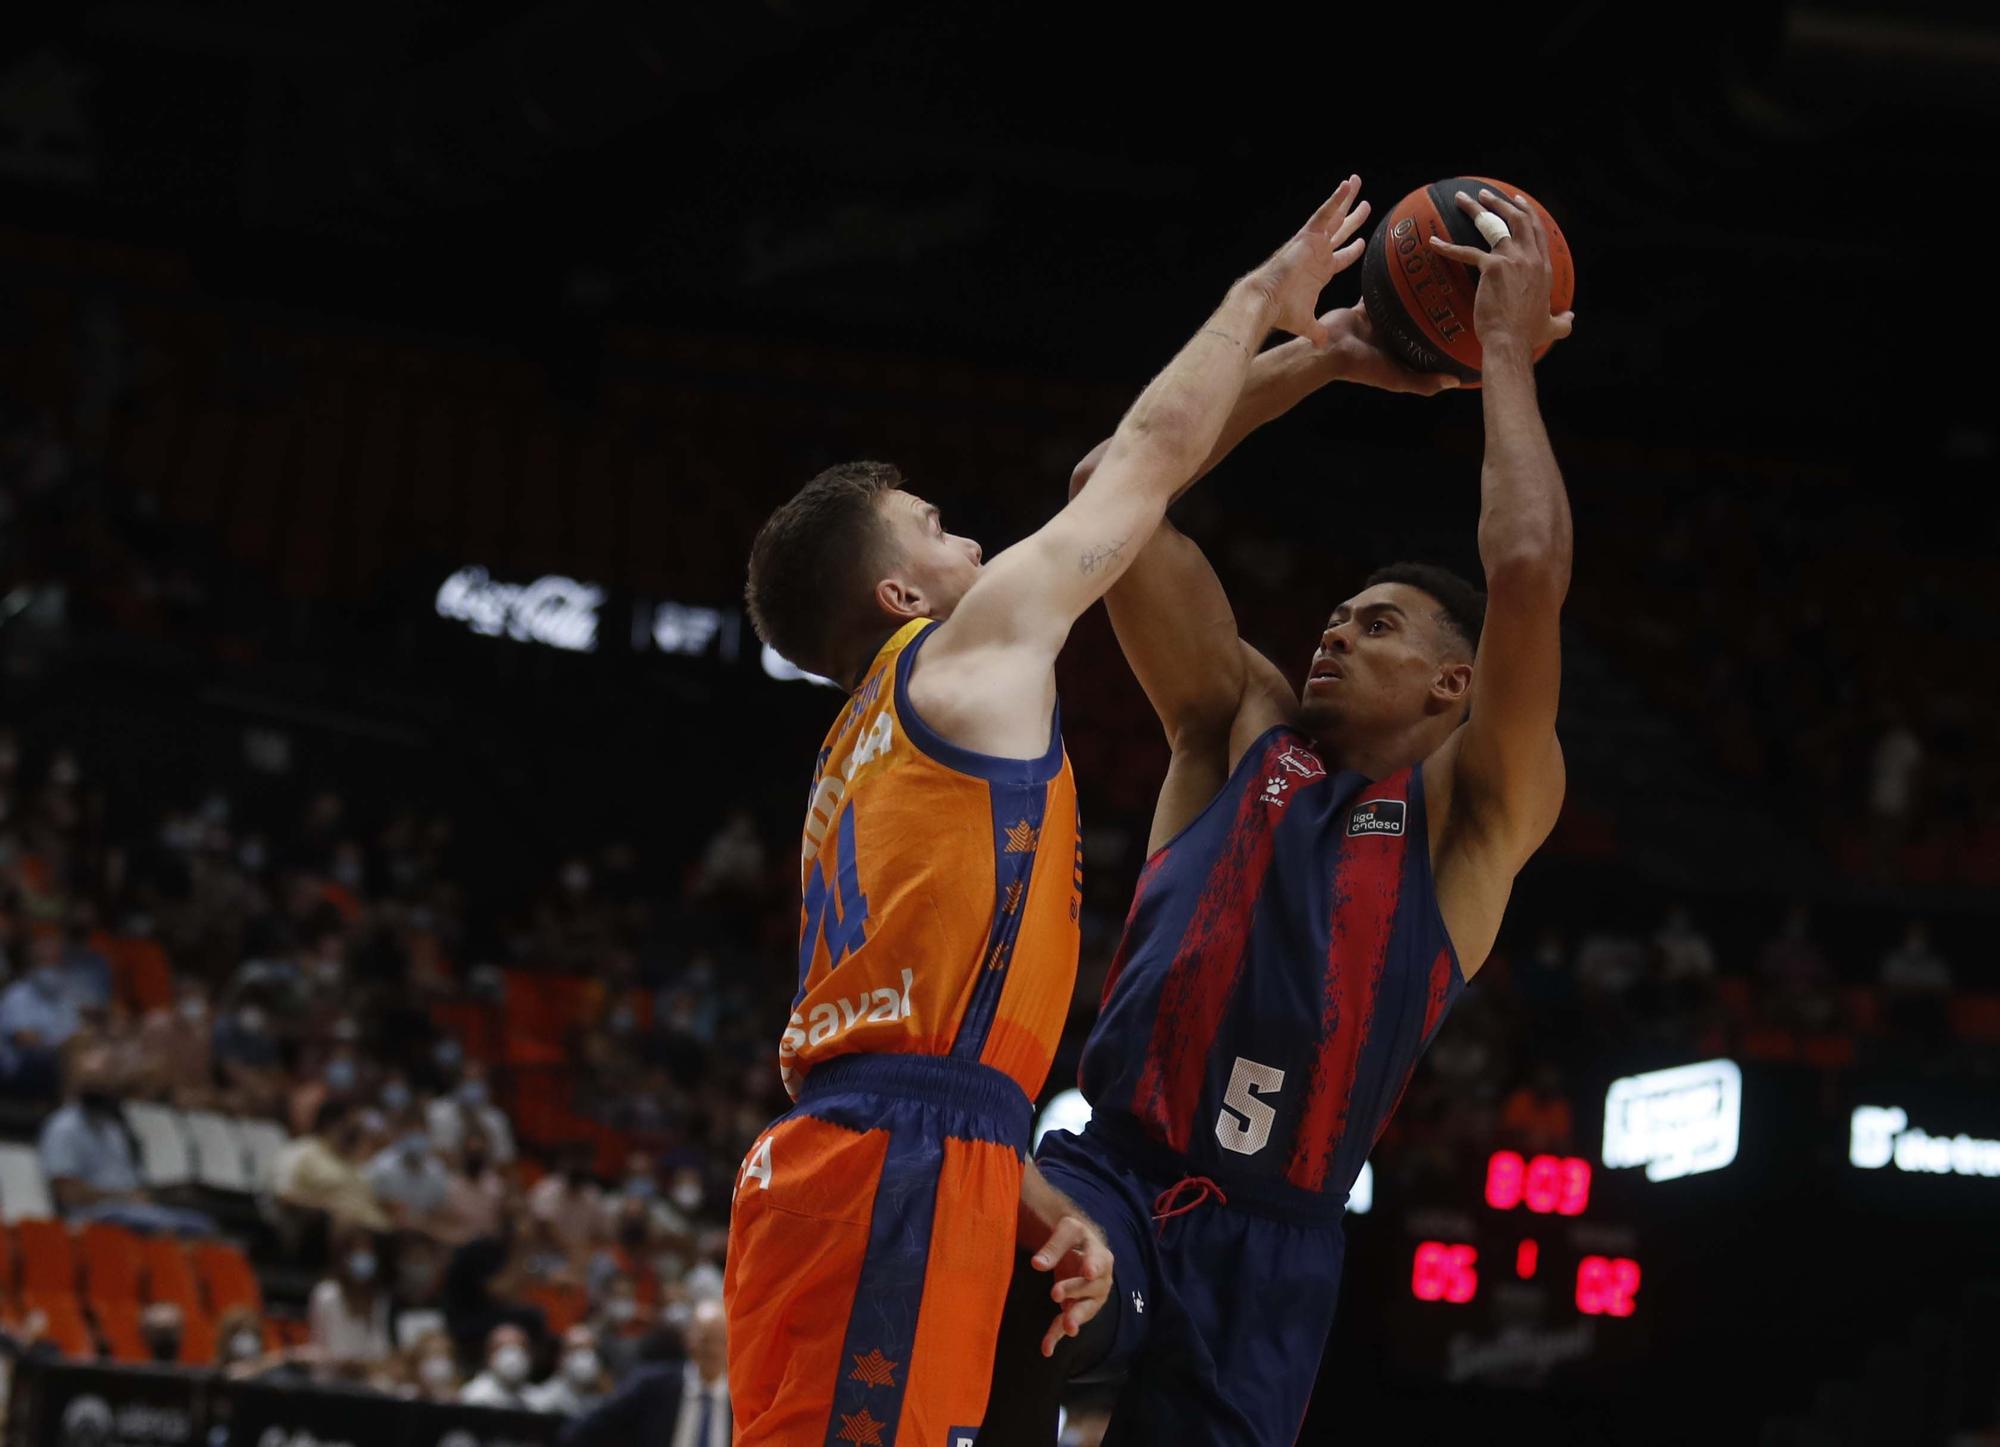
[1677, 1122]
[1878, 1135]
[872, 745]
[90, 1421]
[554, 610]
[1519, 1353]
[279, 1437]
[831, 1018]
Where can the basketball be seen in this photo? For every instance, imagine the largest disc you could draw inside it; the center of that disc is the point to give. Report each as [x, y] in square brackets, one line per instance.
[1420, 301]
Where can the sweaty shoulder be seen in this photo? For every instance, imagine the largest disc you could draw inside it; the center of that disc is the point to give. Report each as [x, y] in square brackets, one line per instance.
[996, 699]
[1474, 868]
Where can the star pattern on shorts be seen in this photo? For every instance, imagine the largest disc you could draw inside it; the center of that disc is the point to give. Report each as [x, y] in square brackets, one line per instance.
[1022, 838]
[874, 1369]
[1014, 892]
[861, 1429]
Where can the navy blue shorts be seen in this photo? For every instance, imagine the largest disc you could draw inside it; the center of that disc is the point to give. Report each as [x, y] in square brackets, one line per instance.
[1223, 1311]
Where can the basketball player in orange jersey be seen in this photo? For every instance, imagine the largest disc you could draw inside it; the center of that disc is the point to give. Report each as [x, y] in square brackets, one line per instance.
[873, 1228]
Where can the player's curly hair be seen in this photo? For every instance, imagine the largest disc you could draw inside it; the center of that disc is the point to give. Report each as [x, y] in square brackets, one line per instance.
[1461, 607]
[813, 563]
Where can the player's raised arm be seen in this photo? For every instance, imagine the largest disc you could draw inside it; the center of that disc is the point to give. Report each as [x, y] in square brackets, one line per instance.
[1172, 618]
[1507, 774]
[1010, 625]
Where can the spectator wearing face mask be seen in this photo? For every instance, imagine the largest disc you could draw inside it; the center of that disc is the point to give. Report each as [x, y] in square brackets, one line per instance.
[349, 1311]
[319, 1172]
[409, 1180]
[451, 1117]
[475, 1192]
[504, 1383]
[174, 1058]
[570, 1204]
[417, 1300]
[38, 1015]
[88, 1157]
[160, 1329]
[433, 1369]
[623, 1325]
[628, 1255]
[580, 1381]
[241, 1351]
[247, 1058]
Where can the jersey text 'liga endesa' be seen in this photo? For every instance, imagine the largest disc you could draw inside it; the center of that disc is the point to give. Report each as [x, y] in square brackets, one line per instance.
[939, 891]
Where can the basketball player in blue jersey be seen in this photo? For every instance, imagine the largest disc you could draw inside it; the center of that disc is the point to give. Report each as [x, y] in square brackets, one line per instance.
[1327, 867]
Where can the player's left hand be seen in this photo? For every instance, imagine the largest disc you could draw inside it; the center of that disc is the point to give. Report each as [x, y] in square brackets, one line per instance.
[1081, 1260]
[1353, 353]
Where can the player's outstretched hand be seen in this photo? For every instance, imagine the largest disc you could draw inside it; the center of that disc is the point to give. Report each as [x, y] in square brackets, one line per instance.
[1298, 271]
[1515, 276]
[1354, 352]
[1076, 1252]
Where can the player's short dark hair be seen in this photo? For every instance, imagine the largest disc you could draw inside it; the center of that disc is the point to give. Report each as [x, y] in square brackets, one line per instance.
[1462, 607]
[812, 562]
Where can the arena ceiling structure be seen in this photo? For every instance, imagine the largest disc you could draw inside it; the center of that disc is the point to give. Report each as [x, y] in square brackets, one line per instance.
[1744, 185]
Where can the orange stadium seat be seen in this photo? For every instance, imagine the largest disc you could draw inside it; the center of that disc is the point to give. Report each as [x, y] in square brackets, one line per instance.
[1734, 993]
[48, 1263]
[198, 1343]
[111, 1259]
[1864, 1008]
[6, 1266]
[1827, 1052]
[1766, 1043]
[66, 1325]
[141, 974]
[168, 1275]
[118, 1326]
[225, 1271]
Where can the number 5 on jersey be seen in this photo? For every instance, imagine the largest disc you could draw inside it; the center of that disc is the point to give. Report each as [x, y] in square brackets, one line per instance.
[1244, 1123]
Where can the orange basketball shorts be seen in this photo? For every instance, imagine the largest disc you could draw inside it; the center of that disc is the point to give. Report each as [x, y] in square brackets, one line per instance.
[871, 1243]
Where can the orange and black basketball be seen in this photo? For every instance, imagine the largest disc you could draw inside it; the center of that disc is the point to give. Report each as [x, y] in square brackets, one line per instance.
[1420, 301]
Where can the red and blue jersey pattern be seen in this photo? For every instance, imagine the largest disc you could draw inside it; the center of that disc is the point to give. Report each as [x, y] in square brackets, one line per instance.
[1282, 969]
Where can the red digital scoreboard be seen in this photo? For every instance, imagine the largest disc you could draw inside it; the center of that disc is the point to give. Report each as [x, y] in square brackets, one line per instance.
[1597, 1284]
[1525, 1278]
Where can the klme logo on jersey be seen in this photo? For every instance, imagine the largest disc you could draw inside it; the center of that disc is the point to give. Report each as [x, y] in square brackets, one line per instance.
[1377, 816]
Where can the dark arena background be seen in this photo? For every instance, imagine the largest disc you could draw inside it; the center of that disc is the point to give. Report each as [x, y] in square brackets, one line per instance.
[396, 808]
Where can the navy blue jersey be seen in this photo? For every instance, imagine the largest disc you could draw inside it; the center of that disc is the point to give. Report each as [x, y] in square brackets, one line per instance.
[1283, 967]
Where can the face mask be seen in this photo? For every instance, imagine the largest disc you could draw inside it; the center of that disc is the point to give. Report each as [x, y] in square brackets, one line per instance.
[361, 1266]
[687, 1195]
[510, 1364]
[473, 1093]
[581, 1367]
[340, 1074]
[250, 1020]
[436, 1372]
[244, 1346]
[415, 1145]
[677, 1314]
[447, 1054]
[641, 1187]
[621, 1309]
[396, 1095]
[194, 1010]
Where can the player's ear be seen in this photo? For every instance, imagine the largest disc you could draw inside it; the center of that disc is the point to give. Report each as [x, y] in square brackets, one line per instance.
[1453, 684]
[899, 599]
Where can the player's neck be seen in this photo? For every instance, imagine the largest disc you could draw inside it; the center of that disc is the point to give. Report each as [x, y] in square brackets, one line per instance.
[1377, 755]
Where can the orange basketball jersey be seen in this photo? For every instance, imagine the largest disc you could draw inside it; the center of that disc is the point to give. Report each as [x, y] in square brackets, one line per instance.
[940, 890]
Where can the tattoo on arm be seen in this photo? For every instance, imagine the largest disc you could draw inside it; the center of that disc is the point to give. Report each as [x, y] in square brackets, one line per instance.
[1214, 332]
[1097, 557]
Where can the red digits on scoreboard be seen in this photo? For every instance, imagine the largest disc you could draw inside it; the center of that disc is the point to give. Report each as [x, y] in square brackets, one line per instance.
[1546, 1184]
[1574, 1193]
[1605, 1285]
[1444, 1272]
[1503, 1181]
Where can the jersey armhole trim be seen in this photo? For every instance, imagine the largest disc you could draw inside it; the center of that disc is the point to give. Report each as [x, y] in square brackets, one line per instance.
[990, 767]
[1250, 755]
[1420, 842]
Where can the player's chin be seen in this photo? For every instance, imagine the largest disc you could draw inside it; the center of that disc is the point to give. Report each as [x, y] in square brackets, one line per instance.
[1317, 712]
